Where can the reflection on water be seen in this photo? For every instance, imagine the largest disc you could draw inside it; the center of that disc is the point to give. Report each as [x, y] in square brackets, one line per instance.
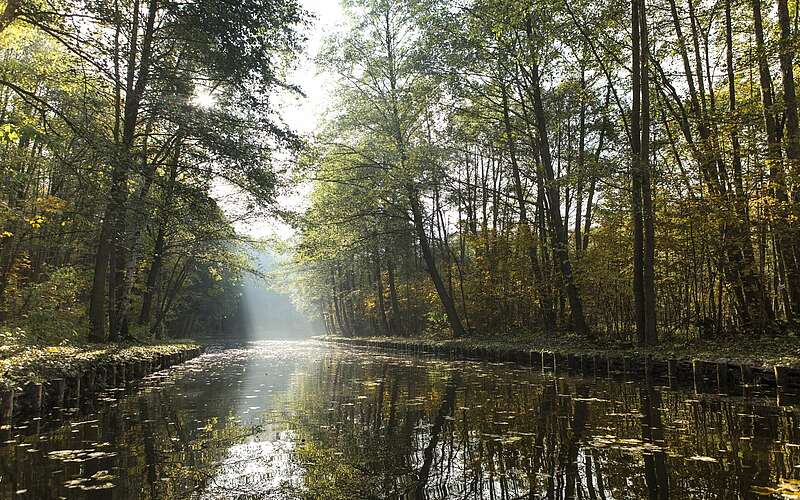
[306, 420]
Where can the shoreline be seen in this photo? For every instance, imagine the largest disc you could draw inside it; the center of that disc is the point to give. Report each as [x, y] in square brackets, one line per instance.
[703, 372]
[38, 379]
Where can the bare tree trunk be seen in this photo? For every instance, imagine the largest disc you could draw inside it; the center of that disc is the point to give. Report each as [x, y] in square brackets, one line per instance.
[648, 271]
[774, 157]
[792, 148]
[430, 263]
[545, 300]
[639, 307]
[379, 290]
[560, 246]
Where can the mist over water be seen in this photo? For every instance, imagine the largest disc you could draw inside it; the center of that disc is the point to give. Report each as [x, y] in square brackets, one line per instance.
[269, 313]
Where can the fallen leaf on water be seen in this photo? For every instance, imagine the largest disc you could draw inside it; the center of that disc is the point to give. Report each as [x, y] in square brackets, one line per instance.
[787, 488]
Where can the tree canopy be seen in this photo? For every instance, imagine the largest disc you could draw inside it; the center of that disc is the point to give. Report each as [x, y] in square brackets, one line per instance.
[121, 121]
[623, 170]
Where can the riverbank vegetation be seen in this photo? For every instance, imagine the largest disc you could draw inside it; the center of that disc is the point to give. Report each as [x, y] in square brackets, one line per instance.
[21, 364]
[628, 171]
[761, 352]
[124, 127]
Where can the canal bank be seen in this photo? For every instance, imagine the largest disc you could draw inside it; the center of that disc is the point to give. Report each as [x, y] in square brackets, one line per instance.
[36, 379]
[281, 419]
[705, 366]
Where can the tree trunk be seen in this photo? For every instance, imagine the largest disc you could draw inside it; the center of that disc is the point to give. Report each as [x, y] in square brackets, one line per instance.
[760, 311]
[545, 300]
[379, 290]
[120, 250]
[159, 245]
[394, 319]
[648, 215]
[9, 14]
[639, 306]
[560, 245]
[792, 148]
[152, 276]
[447, 301]
[774, 158]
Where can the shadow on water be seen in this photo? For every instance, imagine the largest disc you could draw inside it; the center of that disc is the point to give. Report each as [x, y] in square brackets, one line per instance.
[305, 420]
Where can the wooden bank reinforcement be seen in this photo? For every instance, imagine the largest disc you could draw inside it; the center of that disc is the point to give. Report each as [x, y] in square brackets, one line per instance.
[35, 399]
[704, 376]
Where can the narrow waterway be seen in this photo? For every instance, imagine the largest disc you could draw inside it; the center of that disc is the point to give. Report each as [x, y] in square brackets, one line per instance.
[311, 420]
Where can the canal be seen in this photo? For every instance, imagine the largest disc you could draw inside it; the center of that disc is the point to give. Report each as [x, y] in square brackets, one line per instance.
[311, 420]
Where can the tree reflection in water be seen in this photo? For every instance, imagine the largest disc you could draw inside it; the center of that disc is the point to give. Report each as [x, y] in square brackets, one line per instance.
[392, 427]
[301, 420]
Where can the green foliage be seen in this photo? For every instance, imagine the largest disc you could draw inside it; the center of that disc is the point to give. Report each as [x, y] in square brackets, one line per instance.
[111, 172]
[52, 311]
[437, 99]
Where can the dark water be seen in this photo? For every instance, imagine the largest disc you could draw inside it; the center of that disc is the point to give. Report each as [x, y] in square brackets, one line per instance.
[306, 420]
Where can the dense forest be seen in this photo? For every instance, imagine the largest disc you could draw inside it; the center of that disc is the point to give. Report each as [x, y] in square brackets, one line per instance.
[622, 170]
[123, 126]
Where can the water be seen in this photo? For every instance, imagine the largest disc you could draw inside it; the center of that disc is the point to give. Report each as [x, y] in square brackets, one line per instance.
[308, 420]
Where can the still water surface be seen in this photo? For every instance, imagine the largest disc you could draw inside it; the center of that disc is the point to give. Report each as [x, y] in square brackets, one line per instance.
[309, 420]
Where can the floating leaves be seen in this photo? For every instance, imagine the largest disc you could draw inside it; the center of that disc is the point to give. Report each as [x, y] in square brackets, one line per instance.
[78, 456]
[787, 489]
[100, 480]
[630, 445]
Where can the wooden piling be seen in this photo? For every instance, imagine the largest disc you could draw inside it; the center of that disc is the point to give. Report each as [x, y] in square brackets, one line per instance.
[559, 363]
[548, 359]
[32, 398]
[572, 363]
[7, 407]
[88, 382]
[121, 373]
[787, 377]
[763, 376]
[56, 390]
[723, 375]
[659, 368]
[616, 365]
[626, 365]
[597, 364]
[786, 398]
[111, 375]
[74, 389]
[705, 376]
[587, 364]
[100, 378]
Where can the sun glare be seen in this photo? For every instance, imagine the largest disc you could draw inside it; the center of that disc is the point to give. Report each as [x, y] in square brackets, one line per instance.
[203, 99]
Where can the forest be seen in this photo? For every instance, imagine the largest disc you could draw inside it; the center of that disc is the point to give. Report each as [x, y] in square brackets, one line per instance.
[623, 171]
[124, 127]
[553, 247]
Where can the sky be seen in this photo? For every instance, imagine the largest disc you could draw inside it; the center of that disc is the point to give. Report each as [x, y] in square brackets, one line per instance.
[301, 113]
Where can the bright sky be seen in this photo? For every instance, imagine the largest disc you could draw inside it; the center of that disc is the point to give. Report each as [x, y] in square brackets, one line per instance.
[304, 113]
